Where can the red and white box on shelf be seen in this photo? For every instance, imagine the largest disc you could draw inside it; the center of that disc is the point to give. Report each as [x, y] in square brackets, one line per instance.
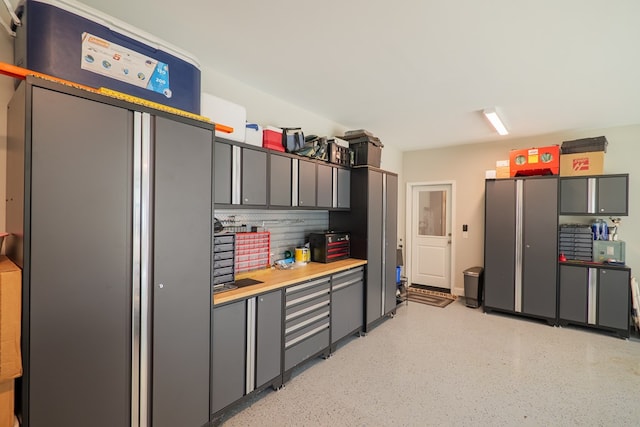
[252, 251]
[535, 161]
[272, 138]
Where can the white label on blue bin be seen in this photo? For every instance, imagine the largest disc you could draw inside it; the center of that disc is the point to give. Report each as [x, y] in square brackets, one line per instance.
[117, 62]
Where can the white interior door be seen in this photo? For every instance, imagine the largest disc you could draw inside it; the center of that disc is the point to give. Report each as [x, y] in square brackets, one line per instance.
[431, 235]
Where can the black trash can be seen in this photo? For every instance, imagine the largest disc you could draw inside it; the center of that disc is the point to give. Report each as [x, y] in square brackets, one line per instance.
[473, 282]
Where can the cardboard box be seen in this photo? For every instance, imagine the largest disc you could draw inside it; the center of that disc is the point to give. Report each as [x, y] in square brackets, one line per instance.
[502, 169]
[7, 398]
[535, 161]
[10, 312]
[582, 164]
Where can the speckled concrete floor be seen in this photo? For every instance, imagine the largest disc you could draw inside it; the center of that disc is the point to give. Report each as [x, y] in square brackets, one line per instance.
[456, 366]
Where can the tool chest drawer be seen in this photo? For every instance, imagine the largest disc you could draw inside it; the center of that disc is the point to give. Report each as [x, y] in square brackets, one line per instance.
[223, 263]
[300, 310]
[217, 256]
[307, 291]
[314, 314]
[347, 278]
[307, 320]
[226, 278]
[304, 350]
[223, 247]
[219, 239]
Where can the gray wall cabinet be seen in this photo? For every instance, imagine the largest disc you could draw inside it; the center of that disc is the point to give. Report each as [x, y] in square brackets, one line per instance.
[240, 175]
[243, 174]
[254, 177]
[325, 186]
[372, 222]
[342, 188]
[595, 296]
[107, 301]
[306, 184]
[596, 195]
[521, 238]
[280, 180]
[223, 168]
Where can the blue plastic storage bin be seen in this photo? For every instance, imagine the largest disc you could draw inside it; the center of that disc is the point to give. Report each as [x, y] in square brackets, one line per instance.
[74, 42]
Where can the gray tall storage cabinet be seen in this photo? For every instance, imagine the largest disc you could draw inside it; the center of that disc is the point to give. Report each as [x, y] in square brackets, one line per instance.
[110, 213]
[372, 222]
[521, 238]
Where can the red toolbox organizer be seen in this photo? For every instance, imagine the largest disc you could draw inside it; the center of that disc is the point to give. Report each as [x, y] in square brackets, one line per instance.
[252, 251]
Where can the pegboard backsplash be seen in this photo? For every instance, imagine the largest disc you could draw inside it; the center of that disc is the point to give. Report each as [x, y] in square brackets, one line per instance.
[288, 228]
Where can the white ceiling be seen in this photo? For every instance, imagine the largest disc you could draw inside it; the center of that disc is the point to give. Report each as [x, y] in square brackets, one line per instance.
[418, 73]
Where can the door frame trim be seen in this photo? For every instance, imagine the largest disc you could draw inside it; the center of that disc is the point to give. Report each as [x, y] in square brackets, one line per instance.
[455, 290]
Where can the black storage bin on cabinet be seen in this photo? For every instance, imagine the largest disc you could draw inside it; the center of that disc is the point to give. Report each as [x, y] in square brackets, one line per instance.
[366, 153]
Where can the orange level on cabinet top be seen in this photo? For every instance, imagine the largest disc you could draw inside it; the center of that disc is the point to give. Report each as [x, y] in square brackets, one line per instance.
[22, 73]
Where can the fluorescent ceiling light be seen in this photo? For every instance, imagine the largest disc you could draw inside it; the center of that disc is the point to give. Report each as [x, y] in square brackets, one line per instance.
[493, 117]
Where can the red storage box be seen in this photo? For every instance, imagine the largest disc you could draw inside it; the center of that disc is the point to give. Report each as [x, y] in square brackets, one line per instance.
[535, 161]
[272, 138]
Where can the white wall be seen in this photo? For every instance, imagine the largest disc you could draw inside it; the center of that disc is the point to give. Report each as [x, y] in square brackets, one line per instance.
[261, 108]
[466, 165]
[267, 109]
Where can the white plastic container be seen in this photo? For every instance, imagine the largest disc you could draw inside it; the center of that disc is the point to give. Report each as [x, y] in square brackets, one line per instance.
[225, 113]
[253, 134]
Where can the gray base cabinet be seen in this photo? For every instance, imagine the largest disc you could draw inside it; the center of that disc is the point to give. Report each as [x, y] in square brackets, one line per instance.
[258, 342]
[347, 311]
[246, 349]
[268, 339]
[228, 354]
[595, 296]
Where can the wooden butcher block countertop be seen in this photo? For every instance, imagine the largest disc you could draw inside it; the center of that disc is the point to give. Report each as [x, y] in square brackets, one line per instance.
[272, 278]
